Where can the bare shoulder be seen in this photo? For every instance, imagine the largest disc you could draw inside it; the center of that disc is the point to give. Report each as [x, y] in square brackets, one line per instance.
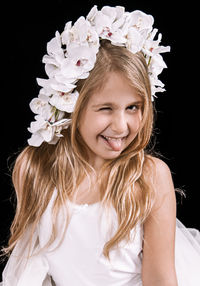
[157, 170]
[155, 166]
[159, 173]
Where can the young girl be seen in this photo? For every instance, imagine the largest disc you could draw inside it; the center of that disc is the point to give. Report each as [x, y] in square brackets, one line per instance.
[93, 206]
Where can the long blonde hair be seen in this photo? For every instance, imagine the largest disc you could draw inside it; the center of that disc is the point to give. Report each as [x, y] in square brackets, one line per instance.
[38, 171]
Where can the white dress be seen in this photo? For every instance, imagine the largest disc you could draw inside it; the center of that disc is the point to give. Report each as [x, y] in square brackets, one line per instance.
[79, 261]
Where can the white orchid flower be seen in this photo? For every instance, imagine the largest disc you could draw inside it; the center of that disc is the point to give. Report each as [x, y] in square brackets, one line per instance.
[55, 55]
[81, 60]
[140, 21]
[135, 41]
[108, 22]
[52, 86]
[156, 86]
[157, 64]
[65, 102]
[82, 33]
[42, 130]
[107, 17]
[40, 105]
[151, 47]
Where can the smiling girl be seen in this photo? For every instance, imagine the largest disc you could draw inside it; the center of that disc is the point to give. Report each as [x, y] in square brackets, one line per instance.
[94, 207]
[109, 124]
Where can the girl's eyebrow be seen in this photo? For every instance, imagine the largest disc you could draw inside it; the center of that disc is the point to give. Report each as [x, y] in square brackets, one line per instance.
[111, 104]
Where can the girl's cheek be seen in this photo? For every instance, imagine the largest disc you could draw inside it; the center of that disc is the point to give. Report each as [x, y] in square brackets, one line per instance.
[101, 120]
[135, 127]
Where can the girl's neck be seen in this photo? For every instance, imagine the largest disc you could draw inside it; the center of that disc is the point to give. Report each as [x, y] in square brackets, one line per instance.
[86, 193]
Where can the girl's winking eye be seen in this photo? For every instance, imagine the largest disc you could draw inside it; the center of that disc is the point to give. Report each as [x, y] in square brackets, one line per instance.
[105, 108]
[132, 107]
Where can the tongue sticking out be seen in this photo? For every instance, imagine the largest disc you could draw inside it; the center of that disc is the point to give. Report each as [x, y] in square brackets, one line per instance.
[115, 144]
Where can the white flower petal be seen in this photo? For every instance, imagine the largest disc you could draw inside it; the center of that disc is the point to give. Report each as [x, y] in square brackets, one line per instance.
[67, 87]
[62, 122]
[41, 106]
[135, 40]
[54, 45]
[51, 70]
[35, 126]
[54, 140]
[35, 140]
[110, 12]
[91, 15]
[53, 86]
[48, 132]
[66, 77]
[65, 102]
[140, 20]
[65, 36]
[120, 10]
[50, 60]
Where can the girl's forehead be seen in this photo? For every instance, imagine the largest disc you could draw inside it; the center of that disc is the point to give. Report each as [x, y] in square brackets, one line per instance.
[116, 89]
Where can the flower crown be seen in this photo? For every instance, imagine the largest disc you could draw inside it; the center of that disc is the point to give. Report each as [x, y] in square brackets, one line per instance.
[72, 55]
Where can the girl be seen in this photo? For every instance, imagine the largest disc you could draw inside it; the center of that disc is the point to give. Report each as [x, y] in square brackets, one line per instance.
[94, 207]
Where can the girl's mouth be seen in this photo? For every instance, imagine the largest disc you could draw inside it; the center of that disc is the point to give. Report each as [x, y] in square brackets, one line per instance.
[114, 143]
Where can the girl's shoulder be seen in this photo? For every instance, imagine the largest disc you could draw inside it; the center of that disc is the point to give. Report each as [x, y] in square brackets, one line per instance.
[159, 176]
[156, 169]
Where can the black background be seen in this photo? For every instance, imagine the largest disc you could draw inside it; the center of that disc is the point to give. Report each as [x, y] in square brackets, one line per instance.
[25, 30]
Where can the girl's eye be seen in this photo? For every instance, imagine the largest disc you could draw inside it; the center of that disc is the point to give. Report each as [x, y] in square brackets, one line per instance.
[133, 107]
[105, 108]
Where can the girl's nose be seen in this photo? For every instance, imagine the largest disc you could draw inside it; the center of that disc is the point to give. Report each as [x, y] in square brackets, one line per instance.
[119, 124]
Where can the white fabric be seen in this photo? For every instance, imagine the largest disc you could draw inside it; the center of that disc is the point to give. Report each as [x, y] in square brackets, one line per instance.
[79, 261]
[20, 271]
[187, 255]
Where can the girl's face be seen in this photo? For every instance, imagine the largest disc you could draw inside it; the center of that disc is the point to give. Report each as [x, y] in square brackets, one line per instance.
[111, 119]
